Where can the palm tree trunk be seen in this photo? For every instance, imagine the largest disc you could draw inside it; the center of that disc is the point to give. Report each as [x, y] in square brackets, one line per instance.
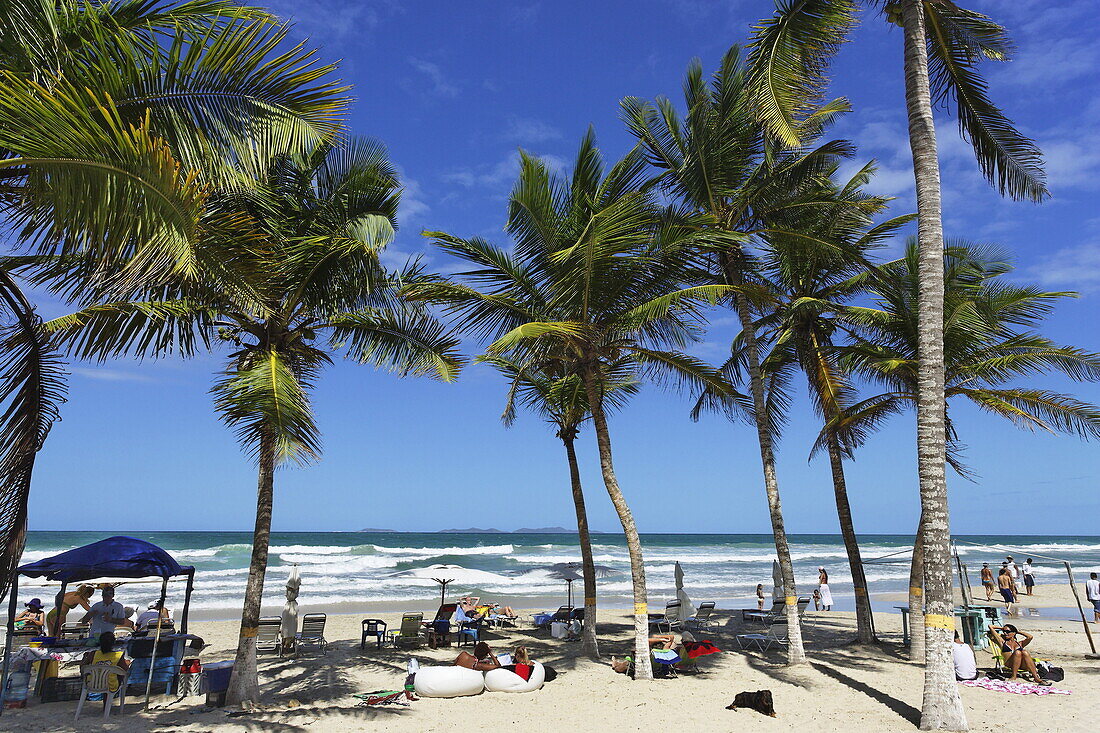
[244, 685]
[643, 666]
[865, 629]
[942, 708]
[796, 652]
[589, 643]
[916, 597]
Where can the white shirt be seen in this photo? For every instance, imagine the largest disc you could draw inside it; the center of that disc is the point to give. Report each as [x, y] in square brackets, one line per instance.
[965, 666]
[1012, 571]
[1028, 569]
[1092, 589]
[101, 612]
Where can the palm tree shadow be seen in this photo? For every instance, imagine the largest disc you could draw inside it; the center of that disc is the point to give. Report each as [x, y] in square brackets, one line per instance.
[903, 709]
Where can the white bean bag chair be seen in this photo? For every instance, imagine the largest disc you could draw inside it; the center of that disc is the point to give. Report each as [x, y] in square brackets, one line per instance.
[505, 680]
[449, 682]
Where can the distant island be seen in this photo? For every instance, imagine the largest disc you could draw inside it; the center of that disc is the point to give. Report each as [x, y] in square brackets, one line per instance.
[472, 530]
[521, 530]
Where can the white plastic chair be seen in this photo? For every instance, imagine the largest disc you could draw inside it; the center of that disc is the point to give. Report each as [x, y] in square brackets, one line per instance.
[97, 678]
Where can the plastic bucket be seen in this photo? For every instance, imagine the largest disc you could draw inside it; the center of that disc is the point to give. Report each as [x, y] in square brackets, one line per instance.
[217, 675]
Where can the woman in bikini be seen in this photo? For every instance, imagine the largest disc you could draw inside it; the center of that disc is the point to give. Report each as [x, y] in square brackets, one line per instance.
[1012, 642]
[79, 597]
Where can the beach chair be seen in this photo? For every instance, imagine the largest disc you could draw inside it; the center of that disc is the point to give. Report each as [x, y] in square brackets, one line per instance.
[313, 632]
[410, 632]
[72, 631]
[751, 615]
[670, 619]
[806, 620]
[440, 626]
[375, 627]
[269, 634]
[774, 633]
[97, 679]
[562, 614]
[702, 620]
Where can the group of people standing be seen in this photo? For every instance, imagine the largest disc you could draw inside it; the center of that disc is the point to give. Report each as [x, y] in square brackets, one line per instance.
[823, 596]
[1008, 578]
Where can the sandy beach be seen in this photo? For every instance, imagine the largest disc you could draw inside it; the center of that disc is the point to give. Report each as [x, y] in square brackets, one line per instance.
[844, 687]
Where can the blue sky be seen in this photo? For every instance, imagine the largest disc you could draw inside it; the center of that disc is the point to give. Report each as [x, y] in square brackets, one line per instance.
[453, 89]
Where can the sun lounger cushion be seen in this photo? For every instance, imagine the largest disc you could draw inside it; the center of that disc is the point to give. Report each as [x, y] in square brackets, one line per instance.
[505, 680]
[449, 682]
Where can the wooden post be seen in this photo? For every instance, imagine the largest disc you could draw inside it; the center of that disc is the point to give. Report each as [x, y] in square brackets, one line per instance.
[12, 605]
[156, 641]
[1077, 598]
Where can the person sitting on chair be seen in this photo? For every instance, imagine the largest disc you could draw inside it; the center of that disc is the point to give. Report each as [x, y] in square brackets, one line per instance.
[966, 668]
[1012, 642]
[482, 659]
[156, 611]
[32, 618]
[106, 653]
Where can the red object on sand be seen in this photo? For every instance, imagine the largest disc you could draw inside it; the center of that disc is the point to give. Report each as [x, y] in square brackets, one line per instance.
[697, 649]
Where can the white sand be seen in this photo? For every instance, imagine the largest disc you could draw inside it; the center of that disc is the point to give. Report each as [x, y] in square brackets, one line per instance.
[843, 688]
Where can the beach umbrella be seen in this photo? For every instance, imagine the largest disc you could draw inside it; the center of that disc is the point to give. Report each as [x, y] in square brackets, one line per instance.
[777, 580]
[686, 609]
[290, 608]
[443, 588]
[570, 571]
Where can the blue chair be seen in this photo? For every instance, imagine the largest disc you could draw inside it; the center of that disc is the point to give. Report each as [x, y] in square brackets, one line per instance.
[373, 627]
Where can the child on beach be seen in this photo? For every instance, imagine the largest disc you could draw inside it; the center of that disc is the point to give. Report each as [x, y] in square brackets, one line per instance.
[760, 596]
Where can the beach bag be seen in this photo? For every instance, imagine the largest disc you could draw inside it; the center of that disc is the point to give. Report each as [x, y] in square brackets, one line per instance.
[1050, 672]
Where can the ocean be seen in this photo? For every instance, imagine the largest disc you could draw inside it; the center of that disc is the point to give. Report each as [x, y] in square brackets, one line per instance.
[347, 569]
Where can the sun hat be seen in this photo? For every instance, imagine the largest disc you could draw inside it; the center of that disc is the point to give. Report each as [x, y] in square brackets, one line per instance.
[34, 603]
[153, 605]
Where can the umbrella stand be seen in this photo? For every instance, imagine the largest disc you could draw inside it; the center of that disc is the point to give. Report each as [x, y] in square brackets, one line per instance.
[569, 591]
[443, 588]
[156, 643]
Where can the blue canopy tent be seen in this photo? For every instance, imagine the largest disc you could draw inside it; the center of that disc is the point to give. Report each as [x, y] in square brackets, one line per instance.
[114, 557]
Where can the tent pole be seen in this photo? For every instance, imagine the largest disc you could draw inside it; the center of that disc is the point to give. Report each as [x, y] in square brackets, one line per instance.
[1076, 597]
[156, 642]
[12, 604]
[187, 600]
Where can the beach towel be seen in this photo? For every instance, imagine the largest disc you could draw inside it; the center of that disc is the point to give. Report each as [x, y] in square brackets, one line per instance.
[382, 697]
[1016, 688]
[666, 656]
[697, 649]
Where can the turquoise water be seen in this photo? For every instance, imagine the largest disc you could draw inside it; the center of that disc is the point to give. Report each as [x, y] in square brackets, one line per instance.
[365, 567]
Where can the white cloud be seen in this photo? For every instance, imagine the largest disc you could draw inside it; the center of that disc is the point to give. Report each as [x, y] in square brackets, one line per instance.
[320, 18]
[439, 85]
[527, 131]
[413, 206]
[1074, 268]
[110, 375]
[497, 175]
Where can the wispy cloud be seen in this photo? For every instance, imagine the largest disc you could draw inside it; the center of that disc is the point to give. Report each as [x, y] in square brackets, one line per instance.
[1076, 267]
[318, 18]
[495, 176]
[105, 374]
[437, 83]
[526, 131]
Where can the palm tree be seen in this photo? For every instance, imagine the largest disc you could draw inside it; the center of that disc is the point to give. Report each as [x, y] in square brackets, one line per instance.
[559, 397]
[309, 270]
[806, 286]
[114, 118]
[719, 162]
[597, 276]
[943, 45]
[989, 340]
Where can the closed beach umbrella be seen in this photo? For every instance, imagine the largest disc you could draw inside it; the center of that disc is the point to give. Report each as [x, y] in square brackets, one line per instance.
[290, 608]
[777, 580]
[686, 609]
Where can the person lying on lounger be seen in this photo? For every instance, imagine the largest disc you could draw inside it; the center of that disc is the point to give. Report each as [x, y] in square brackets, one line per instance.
[482, 659]
[1012, 642]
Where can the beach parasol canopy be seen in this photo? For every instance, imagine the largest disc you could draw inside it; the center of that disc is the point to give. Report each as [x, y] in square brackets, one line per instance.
[290, 608]
[777, 581]
[571, 571]
[686, 609]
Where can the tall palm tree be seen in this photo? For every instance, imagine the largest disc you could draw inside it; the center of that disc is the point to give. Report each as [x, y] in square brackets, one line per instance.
[719, 161]
[558, 396]
[114, 120]
[989, 341]
[597, 276]
[943, 44]
[806, 286]
[308, 271]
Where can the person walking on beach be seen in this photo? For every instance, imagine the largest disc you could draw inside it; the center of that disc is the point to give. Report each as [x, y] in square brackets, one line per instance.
[1004, 582]
[823, 589]
[987, 581]
[1014, 572]
[1092, 593]
[1028, 571]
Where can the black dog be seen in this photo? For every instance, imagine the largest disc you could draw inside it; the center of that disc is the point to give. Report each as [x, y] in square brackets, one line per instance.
[760, 701]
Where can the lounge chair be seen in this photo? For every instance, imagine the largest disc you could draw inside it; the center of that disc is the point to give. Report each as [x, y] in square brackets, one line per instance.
[410, 631]
[670, 619]
[702, 620]
[269, 634]
[97, 679]
[313, 632]
[752, 615]
[375, 627]
[562, 614]
[72, 630]
[774, 633]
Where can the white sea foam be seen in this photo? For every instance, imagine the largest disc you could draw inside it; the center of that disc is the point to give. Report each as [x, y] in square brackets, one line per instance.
[438, 551]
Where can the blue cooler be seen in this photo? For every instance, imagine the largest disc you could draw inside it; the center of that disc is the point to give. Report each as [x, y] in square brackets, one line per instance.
[217, 675]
